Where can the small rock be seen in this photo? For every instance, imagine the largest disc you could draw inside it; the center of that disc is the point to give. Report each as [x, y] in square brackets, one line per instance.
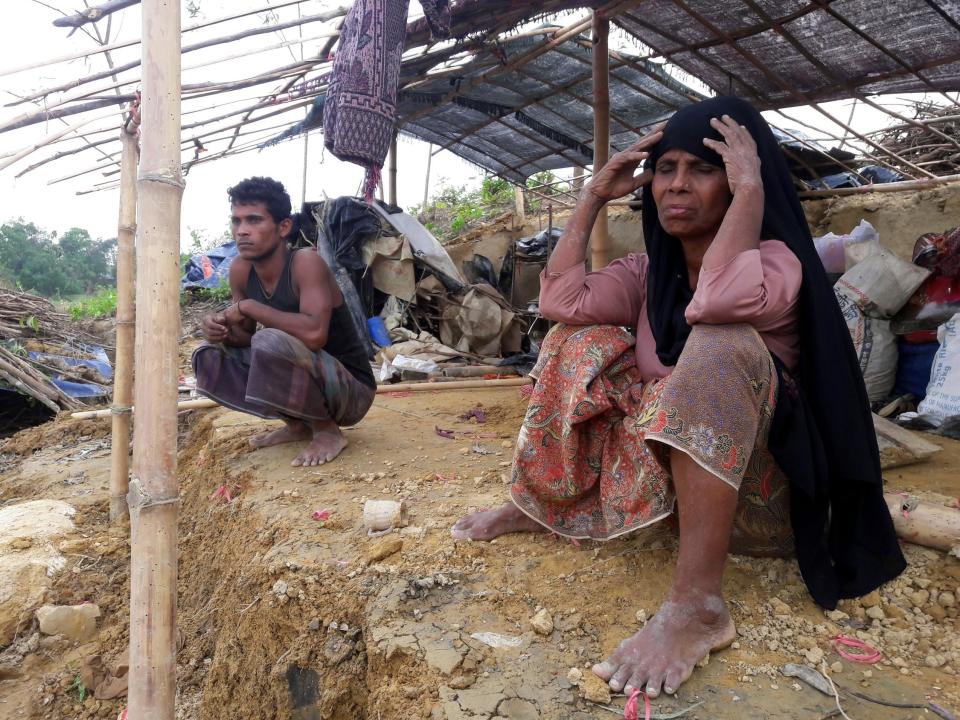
[76, 622]
[895, 611]
[837, 615]
[594, 689]
[21, 543]
[876, 612]
[937, 612]
[384, 549]
[574, 676]
[280, 587]
[779, 607]
[933, 661]
[314, 625]
[443, 660]
[814, 656]
[871, 599]
[946, 599]
[517, 709]
[642, 616]
[461, 682]
[541, 622]
[836, 667]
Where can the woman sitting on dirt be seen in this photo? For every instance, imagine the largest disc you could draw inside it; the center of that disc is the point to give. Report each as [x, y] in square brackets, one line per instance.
[737, 398]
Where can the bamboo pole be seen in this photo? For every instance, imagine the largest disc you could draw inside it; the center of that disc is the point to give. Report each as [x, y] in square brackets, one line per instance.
[426, 178]
[392, 169]
[154, 497]
[257, 30]
[47, 62]
[911, 185]
[123, 378]
[924, 523]
[600, 238]
[519, 205]
[204, 403]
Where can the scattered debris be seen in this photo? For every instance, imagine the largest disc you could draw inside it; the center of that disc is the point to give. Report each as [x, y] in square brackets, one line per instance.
[496, 640]
[810, 676]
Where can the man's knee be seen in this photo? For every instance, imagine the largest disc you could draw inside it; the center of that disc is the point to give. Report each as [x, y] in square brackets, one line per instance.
[202, 358]
[713, 349]
[280, 344]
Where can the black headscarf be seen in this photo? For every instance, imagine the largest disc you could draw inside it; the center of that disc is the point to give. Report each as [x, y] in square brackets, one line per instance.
[822, 432]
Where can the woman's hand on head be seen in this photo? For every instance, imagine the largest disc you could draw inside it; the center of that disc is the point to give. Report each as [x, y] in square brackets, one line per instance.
[739, 152]
[617, 179]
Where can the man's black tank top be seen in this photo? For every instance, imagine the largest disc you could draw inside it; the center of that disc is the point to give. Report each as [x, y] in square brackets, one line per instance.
[342, 340]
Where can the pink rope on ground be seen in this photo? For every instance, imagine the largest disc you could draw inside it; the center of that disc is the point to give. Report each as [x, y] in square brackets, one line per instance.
[870, 654]
[630, 711]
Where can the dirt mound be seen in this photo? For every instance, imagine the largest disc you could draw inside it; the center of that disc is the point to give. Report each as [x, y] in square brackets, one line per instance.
[62, 431]
[283, 616]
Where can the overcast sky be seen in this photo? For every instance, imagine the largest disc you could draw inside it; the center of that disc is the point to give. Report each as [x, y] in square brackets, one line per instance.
[28, 36]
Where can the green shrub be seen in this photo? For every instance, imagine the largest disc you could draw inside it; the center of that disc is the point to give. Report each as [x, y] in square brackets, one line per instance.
[221, 293]
[103, 303]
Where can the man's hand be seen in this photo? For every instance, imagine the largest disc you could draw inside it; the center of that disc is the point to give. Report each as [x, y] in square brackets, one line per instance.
[232, 315]
[616, 178]
[214, 327]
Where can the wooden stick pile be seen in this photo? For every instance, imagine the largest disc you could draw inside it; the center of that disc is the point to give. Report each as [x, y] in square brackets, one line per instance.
[25, 316]
[921, 144]
[23, 377]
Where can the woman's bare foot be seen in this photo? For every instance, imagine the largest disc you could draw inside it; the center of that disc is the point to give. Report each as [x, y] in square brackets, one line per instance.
[488, 524]
[327, 443]
[292, 431]
[687, 627]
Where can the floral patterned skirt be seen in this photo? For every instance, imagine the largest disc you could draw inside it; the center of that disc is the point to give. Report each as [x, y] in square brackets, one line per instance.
[593, 456]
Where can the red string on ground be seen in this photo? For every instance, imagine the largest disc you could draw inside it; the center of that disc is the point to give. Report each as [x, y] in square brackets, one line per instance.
[630, 711]
[869, 655]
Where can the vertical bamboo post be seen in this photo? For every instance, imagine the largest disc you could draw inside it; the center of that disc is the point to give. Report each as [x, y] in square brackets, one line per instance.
[306, 158]
[577, 180]
[426, 180]
[600, 238]
[519, 205]
[154, 497]
[392, 170]
[123, 378]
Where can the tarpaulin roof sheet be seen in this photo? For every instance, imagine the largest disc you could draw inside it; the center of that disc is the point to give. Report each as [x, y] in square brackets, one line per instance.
[538, 116]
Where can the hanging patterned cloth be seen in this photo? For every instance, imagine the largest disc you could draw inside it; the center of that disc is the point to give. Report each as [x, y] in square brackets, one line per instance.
[361, 104]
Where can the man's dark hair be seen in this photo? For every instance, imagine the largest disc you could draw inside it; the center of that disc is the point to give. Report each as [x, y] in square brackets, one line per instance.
[262, 189]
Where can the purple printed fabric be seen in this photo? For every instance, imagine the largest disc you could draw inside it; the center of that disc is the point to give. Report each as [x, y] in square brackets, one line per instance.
[360, 109]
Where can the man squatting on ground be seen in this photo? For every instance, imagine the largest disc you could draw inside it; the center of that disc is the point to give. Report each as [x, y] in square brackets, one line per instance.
[306, 364]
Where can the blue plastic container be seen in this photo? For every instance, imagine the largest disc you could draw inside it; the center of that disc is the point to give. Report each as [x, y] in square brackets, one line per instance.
[913, 368]
[378, 331]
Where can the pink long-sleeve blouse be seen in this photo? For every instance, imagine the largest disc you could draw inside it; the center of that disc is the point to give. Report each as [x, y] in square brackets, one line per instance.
[758, 287]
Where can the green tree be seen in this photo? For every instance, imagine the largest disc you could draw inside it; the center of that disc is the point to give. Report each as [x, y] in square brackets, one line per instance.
[89, 263]
[35, 260]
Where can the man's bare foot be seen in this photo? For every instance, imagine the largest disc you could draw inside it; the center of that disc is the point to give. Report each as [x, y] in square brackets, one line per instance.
[327, 443]
[292, 431]
[488, 524]
[687, 627]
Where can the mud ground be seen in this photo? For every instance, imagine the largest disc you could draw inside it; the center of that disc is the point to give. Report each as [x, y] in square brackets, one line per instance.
[285, 616]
